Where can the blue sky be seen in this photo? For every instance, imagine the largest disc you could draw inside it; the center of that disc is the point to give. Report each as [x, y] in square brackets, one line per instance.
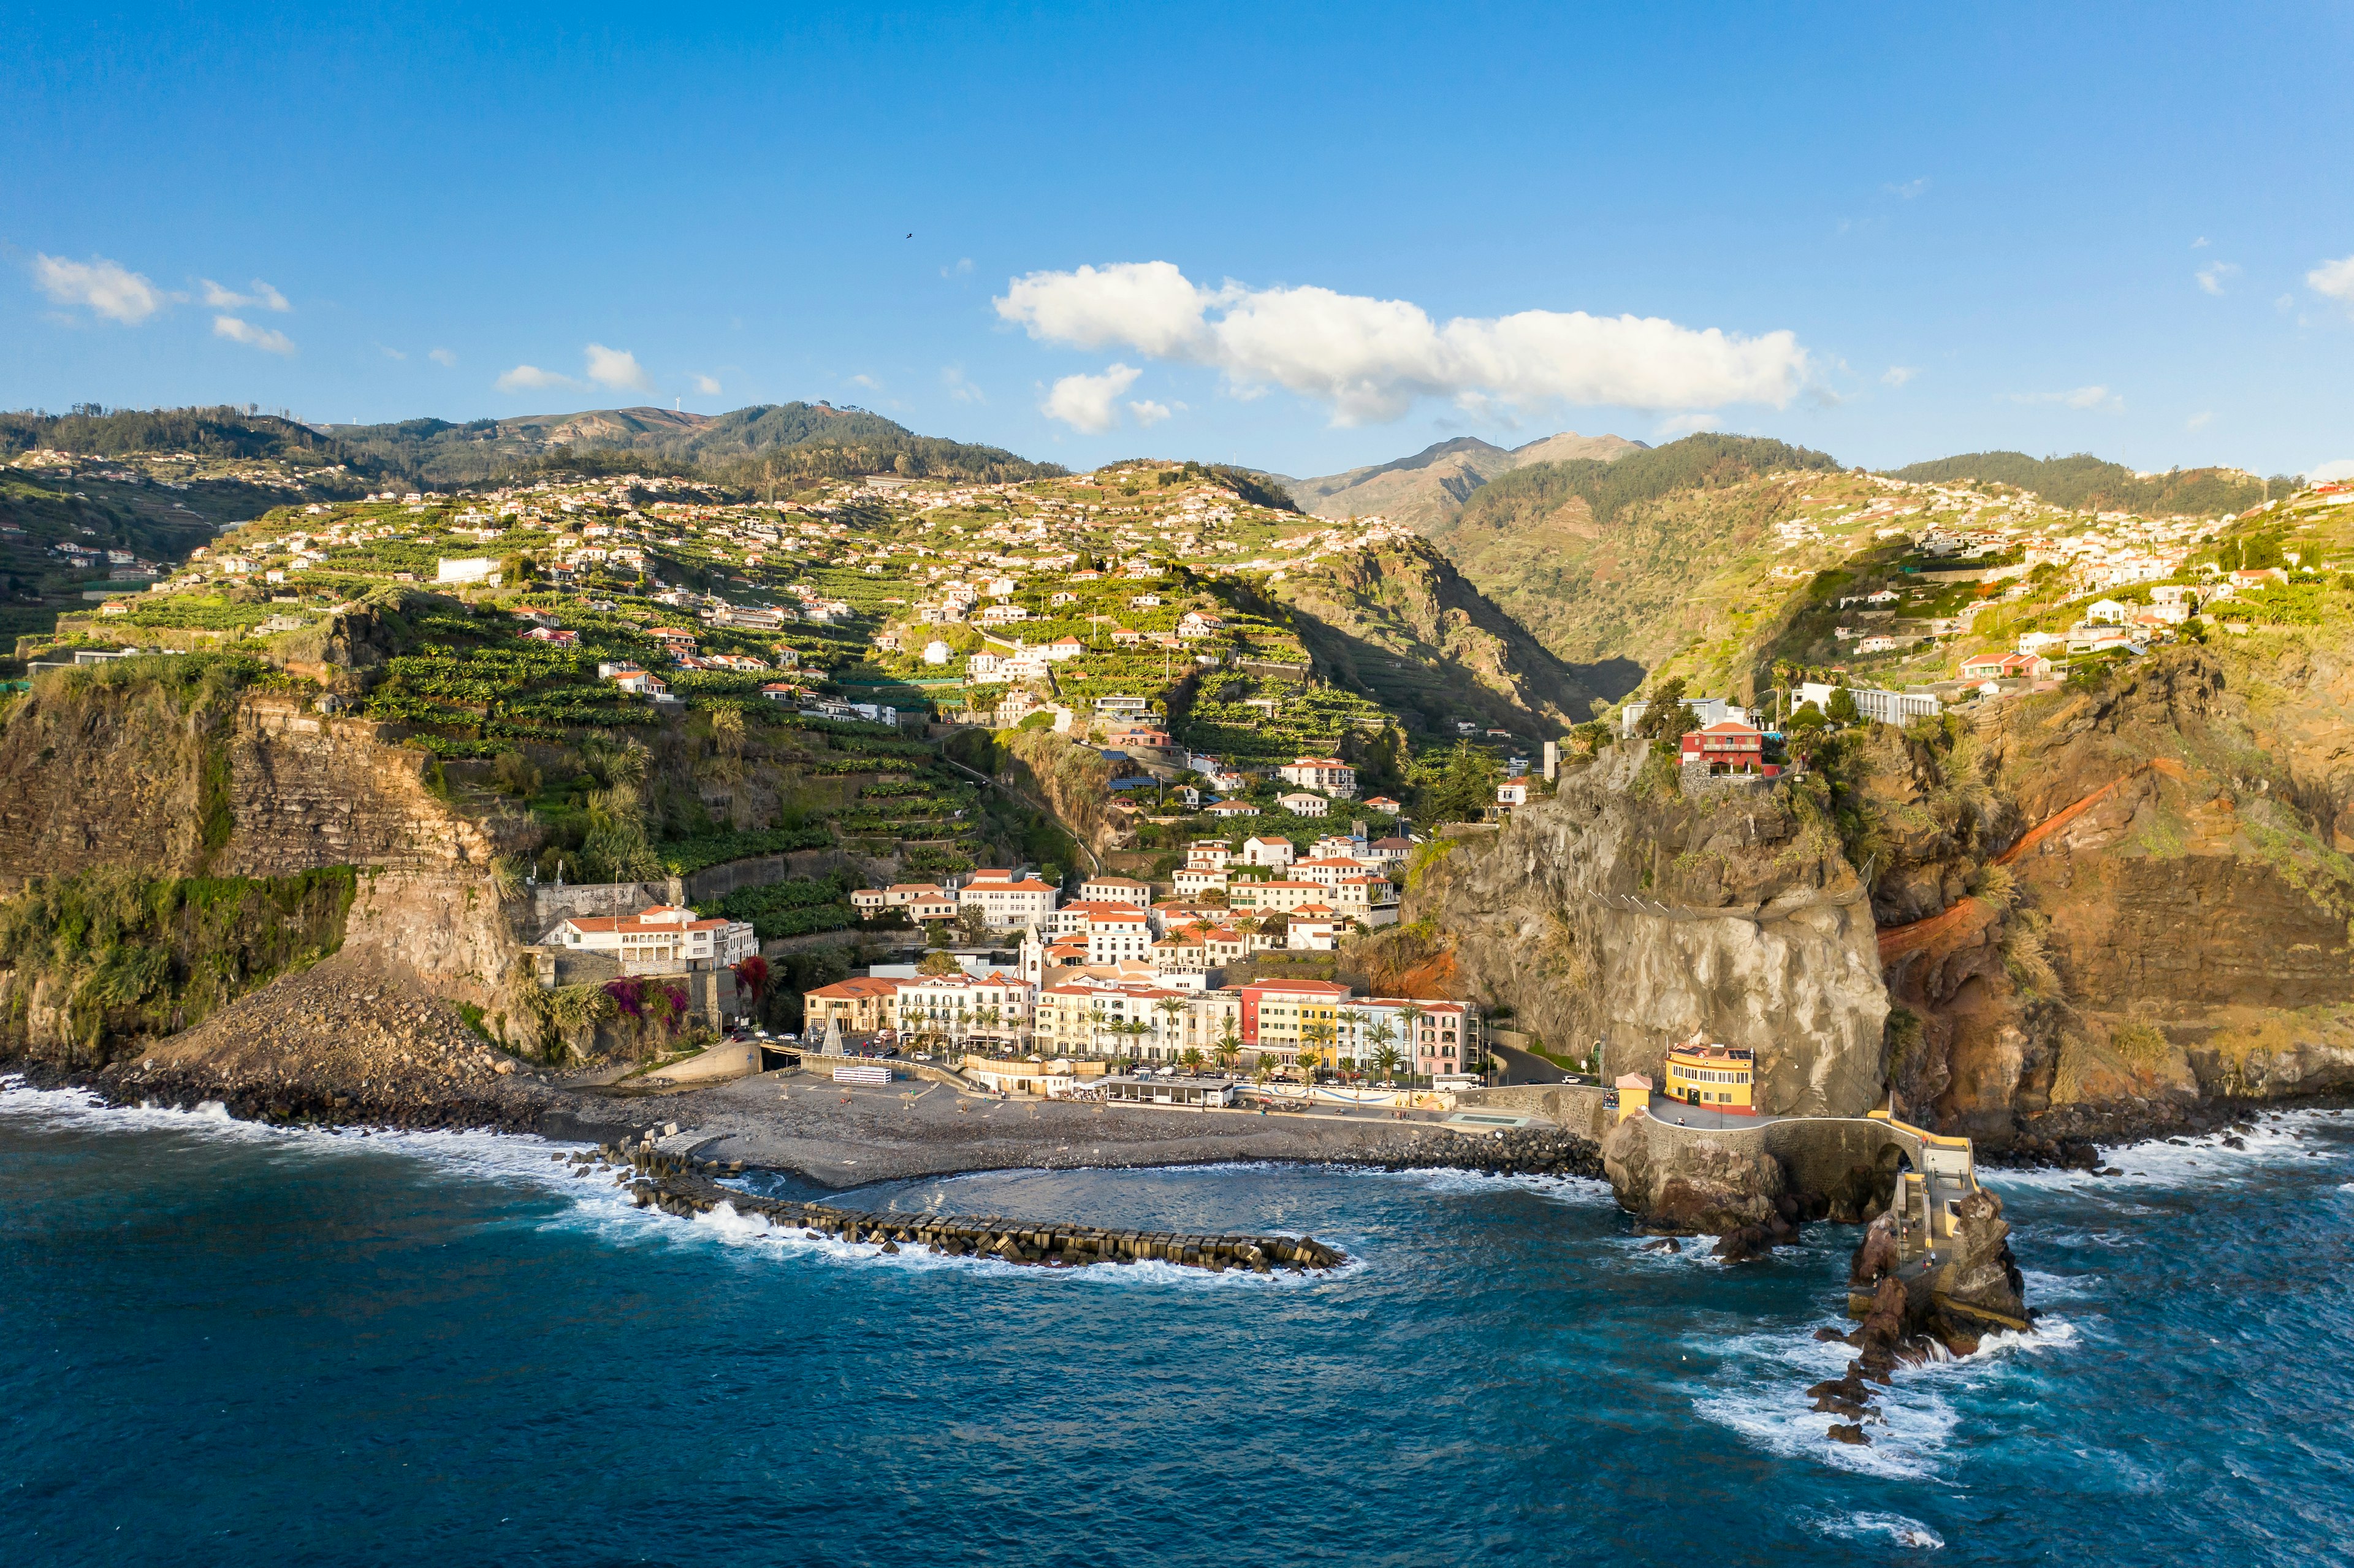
[1310, 237]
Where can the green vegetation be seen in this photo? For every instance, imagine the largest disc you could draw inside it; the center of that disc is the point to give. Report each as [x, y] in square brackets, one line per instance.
[132, 957]
[213, 432]
[793, 908]
[2084, 482]
[761, 447]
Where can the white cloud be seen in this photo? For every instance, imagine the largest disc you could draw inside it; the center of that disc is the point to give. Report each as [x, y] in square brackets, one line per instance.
[2199, 421]
[1910, 188]
[1368, 360]
[245, 332]
[963, 267]
[2200, 243]
[391, 352]
[1668, 428]
[442, 357]
[221, 299]
[106, 287]
[1148, 412]
[2330, 473]
[708, 385]
[2211, 276]
[866, 381]
[2081, 397]
[616, 368]
[1087, 402]
[1898, 374]
[531, 377]
[952, 376]
[2335, 278]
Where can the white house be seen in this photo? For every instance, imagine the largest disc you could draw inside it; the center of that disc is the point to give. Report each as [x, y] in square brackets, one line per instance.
[1301, 804]
[1277, 854]
[662, 936]
[935, 652]
[466, 569]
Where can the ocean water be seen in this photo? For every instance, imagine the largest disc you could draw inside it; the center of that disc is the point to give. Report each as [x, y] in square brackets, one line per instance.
[226, 1344]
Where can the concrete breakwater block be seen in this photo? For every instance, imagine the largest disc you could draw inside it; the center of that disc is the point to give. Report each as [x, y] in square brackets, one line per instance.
[1043, 1244]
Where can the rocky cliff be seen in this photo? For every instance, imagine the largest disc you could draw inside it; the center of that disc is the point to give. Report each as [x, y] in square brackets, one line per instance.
[2102, 904]
[159, 778]
[1621, 911]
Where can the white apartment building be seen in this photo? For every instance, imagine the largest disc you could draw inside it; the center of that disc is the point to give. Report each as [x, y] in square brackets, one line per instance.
[1116, 890]
[1328, 774]
[996, 1006]
[1005, 902]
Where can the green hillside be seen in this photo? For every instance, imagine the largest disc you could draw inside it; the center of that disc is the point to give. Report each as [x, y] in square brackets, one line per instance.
[220, 433]
[2085, 482]
[765, 445]
[1620, 564]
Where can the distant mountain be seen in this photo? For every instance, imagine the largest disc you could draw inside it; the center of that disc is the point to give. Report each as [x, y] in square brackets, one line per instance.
[2088, 483]
[766, 443]
[1428, 489]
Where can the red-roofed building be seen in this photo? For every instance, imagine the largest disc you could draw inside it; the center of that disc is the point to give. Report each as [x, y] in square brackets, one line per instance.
[1328, 774]
[1006, 903]
[1732, 745]
[860, 1005]
[661, 937]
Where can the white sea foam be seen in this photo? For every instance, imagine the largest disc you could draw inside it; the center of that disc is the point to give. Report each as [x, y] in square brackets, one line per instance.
[2044, 1288]
[2277, 1138]
[1763, 1376]
[1580, 1191]
[1903, 1532]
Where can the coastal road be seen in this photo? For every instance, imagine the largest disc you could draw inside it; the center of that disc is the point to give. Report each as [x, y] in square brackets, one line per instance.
[1526, 1067]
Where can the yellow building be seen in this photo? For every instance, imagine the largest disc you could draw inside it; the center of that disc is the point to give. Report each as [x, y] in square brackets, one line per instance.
[1718, 1076]
[1634, 1094]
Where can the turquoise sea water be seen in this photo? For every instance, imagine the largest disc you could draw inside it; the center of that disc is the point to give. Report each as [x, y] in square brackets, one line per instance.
[226, 1344]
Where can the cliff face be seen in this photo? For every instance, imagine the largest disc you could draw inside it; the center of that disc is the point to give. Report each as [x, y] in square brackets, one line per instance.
[2131, 894]
[1613, 913]
[134, 778]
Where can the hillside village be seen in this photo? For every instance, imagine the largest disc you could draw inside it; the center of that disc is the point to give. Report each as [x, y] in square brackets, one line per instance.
[668, 676]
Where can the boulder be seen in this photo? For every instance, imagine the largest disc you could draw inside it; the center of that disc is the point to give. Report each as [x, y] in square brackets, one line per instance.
[1980, 1271]
[1690, 1183]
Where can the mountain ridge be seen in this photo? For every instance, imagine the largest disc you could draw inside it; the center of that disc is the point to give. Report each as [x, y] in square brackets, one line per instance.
[1427, 488]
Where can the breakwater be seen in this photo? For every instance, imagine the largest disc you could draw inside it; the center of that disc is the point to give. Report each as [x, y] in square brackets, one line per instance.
[679, 1185]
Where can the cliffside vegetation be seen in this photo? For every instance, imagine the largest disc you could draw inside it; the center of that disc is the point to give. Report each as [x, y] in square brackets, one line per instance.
[93, 963]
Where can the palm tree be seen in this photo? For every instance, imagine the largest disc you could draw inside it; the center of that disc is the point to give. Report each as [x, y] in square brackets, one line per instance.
[1192, 1058]
[1386, 1061]
[1172, 1011]
[1412, 1015]
[990, 1017]
[1230, 1047]
[1307, 1060]
[1380, 1035]
[1094, 1028]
